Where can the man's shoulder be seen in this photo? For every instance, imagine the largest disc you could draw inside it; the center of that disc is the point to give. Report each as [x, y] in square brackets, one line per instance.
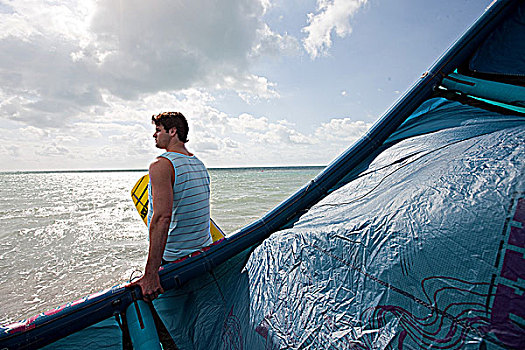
[160, 164]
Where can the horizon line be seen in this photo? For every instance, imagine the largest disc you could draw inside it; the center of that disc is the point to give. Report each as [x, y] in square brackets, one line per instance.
[146, 170]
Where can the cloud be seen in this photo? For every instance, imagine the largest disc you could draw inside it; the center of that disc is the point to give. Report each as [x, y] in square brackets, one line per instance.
[157, 45]
[332, 15]
[121, 137]
[247, 123]
[283, 133]
[262, 131]
[272, 43]
[250, 88]
[81, 79]
[53, 150]
[11, 151]
[343, 129]
[259, 141]
[32, 133]
[63, 59]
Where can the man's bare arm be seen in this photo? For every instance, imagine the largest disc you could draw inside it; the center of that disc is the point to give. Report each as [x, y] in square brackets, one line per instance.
[162, 200]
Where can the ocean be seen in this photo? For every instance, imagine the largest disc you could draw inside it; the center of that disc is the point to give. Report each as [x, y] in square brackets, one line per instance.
[65, 235]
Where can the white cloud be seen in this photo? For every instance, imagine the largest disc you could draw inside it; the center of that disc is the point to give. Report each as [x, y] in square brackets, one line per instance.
[262, 131]
[62, 59]
[81, 79]
[53, 150]
[156, 45]
[332, 15]
[11, 151]
[272, 43]
[250, 88]
[247, 123]
[122, 137]
[342, 130]
[282, 133]
[32, 133]
[250, 140]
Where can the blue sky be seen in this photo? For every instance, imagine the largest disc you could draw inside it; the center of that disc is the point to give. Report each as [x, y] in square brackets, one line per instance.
[262, 82]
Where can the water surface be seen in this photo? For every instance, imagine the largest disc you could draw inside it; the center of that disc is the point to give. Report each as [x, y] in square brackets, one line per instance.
[68, 234]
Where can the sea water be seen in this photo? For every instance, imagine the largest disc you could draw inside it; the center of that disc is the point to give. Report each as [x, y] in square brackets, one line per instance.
[64, 235]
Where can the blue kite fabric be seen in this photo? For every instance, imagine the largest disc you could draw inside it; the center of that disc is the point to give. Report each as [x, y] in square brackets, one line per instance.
[422, 248]
[503, 53]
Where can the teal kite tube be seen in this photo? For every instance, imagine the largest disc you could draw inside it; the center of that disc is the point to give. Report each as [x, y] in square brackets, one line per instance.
[141, 327]
[499, 92]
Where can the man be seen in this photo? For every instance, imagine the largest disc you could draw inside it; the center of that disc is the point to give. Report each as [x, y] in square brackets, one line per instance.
[179, 202]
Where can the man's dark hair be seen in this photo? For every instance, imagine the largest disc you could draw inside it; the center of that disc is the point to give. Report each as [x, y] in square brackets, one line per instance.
[173, 119]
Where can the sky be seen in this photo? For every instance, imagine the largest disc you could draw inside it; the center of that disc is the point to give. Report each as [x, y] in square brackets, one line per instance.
[261, 82]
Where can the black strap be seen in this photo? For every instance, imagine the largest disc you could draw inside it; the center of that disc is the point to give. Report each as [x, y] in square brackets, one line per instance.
[123, 324]
[164, 335]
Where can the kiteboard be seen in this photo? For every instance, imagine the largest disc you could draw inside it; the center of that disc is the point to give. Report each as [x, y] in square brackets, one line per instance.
[139, 195]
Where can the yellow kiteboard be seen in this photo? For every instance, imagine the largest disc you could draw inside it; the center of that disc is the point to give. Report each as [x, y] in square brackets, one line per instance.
[139, 195]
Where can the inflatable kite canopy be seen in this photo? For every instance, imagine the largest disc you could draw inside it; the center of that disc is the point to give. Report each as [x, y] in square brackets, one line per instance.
[412, 238]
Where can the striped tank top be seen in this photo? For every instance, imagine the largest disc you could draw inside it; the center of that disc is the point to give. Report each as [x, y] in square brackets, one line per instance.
[190, 217]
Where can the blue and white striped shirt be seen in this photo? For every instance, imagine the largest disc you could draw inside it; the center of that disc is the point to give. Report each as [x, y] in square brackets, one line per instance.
[190, 217]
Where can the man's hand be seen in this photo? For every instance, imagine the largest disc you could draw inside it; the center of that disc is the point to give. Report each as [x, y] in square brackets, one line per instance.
[149, 285]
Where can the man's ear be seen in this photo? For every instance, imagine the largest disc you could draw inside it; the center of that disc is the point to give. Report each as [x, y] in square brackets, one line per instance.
[173, 131]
